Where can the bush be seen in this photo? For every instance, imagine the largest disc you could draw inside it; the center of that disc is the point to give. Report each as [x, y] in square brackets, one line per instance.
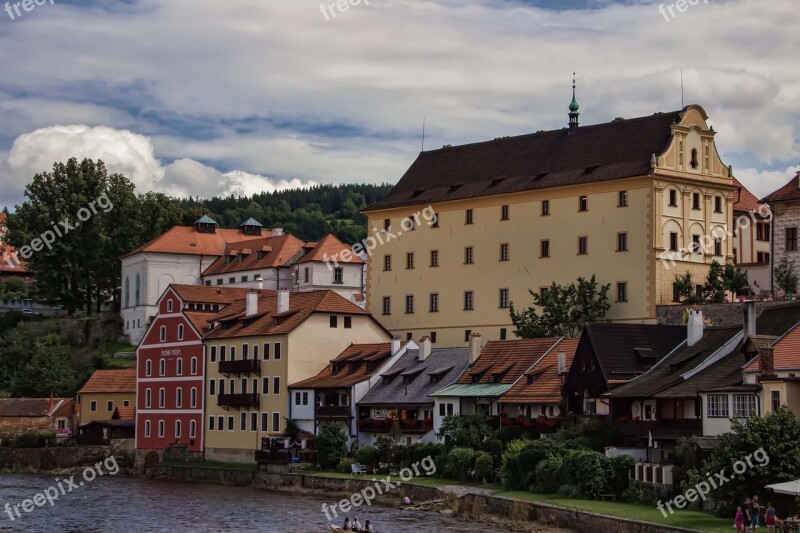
[484, 468]
[459, 463]
[618, 469]
[586, 471]
[365, 455]
[330, 444]
[547, 475]
[345, 465]
[521, 458]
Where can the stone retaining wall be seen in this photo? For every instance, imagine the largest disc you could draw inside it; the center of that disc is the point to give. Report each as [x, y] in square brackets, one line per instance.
[725, 315]
[53, 458]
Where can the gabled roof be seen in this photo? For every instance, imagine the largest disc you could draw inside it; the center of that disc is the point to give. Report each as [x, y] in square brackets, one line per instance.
[778, 319]
[618, 347]
[111, 381]
[206, 294]
[787, 350]
[506, 361]
[668, 372]
[418, 390]
[546, 386]
[329, 248]
[186, 240]
[274, 252]
[267, 321]
[124, 413]
[357, 363]
[29, 407]
[745, 200]
[613, 150]
[790, 191]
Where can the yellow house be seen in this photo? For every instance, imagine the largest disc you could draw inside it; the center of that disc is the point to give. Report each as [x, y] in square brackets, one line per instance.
[260, 347]
[104, 392]
[633, 201]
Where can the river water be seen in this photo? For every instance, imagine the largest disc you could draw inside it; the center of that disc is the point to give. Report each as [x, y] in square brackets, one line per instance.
[127, 505]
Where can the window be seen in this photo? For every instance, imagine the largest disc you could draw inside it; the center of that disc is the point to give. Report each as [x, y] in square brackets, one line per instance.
[409, 336]
[504, 252]
[253, 421]
[409, 304]
[583, 245]
[434, 258]
[543, 291]
[673, 198]
[504, 212]
[178, 397]
[583, 203]
[334, 321]
[694, 158]
[232, 280]
[717, 406]
[622, 242]
[245, 351]
[387, 263]
[192, 429]
[435, 220]
[255, 385]
[230, 422]
[412, 224]
[623, 199]
[676, 293]
[212, 387]
[211, 423]
[179, 366]
[148, 367]
[138, 293]
[162, 398]
[180, 332]
[791, 239]
[762, 231]
[266, 351]
[93, 406]
[233, 353]
[468, 219]
[127, 292]
[306, 272]
[763, 257]
[177, 428]
[718, 204]
[348, 322]
[545, 207]
[338, 275]
[220, 422]
[243, 421]
[387, 224]
[717, 246]
[255, 351]
[264, 421]
[505, 303]
[222, 353]
[744, 405]
[775, 397]
[160, 428]
[410, 260]
[193, 397]
[434, 302]
[219, 281]
[147, 398]
[544, 248]
[622, 291]
[277, 351]
[433, 337]
[276, 422]
[126, 403]
[169, 305]
[276, 385]
[265, 385]
[469, 301]
[208, 283]
[673, 241]
[696, 201]
[503, 334]
[387, 306]
[696, 247]
[162, 334]
[469, 257]
[162, 367]
[467, 334]
[213, 354]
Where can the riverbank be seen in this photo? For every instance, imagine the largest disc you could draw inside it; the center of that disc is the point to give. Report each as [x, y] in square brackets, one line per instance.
[488, 505]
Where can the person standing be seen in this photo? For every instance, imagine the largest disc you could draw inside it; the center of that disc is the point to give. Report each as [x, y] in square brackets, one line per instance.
[746, 513]
[755, 513]
[739, 520]
[770, 517]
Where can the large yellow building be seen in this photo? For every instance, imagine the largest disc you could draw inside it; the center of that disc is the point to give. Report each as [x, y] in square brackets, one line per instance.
[519, 213]
[261, 346]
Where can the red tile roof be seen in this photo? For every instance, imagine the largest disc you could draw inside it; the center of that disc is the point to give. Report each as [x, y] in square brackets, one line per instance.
[10, 264]
[357, 363]
[268, 322]
[111, 381]
[329, 248]
[214, 294]
[262, 252]
[506, 361]
[2, 218]
[28, 407]
[124, 413]
[187, 240]
[546, 386]
[790, 191]
[787, 350]
[745, 200]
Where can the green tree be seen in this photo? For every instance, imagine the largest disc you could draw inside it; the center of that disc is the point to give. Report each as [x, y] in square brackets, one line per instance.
[685, 287]
[734, 278]
[13, 289]
[331, 444]
[714, 287]
[469, 431]
[565, 309]
[786, 276]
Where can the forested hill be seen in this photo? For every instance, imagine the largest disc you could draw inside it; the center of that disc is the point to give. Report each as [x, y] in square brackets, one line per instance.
[307, 213]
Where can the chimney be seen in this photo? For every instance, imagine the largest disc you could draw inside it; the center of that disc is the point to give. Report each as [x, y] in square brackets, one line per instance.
[277, 232]
[749, 311]
[259, 282]
[562, 361]
[768, 361]
[424, 348]
[252, 303]
[694, 326]
[474, 347]
[395, 344]
[283, 301]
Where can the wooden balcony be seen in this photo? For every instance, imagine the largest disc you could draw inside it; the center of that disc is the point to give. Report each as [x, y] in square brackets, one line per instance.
[385, 425]
[238, 400]
[334, 411]
[241, 366]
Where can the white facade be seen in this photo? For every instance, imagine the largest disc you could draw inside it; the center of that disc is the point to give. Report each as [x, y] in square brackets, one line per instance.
[315, 275]
[720, 407]
[277, 278]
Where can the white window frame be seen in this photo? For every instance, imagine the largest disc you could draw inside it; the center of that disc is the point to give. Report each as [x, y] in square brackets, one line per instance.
[744, 405]
[717, 406]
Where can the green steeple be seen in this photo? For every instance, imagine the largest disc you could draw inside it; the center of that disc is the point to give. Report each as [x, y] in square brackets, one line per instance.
[573, 107]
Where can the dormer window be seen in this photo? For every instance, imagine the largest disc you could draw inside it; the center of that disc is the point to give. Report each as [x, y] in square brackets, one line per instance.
[261, 254]
[228, 259]
[240, 257]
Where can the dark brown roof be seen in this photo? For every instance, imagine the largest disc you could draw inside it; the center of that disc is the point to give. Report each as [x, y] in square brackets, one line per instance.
[357, 363]
[778, 319]
[619, 347]
[28, 407]
[275, 252]
[613, 150]
[790, 191]
[205, 294]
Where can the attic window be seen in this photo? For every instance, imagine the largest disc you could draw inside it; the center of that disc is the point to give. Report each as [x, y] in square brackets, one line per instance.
[241, 257]
[417, 193]
[261, 255]
[454, 188]
[590, 169]
[496, 182]
[531, 379]
[228, 259]
[540, 175]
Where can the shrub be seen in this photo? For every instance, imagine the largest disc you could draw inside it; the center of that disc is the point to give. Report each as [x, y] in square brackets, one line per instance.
[484, 468]
[618, 468]
[345, 465]
[547, 475]
[365, 455]
[586, 471]
[330, 445]
[521, 458]
[459, 463]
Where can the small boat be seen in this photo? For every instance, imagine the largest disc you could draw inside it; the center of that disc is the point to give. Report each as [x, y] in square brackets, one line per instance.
[338, 529]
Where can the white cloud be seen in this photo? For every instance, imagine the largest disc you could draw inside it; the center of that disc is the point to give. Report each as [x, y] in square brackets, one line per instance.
[763, 182]
[129, 154]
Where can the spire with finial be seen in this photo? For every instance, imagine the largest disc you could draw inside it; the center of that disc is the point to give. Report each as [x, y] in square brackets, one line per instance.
[573, 107]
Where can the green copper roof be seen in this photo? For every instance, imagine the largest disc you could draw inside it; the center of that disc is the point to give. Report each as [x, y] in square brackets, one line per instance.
[473, 390]
[251, 222]
[573, 107]
[205, 219]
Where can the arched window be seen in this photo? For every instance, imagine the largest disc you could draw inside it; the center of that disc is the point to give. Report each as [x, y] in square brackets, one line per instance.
[179, 366]
[160, 428]
[162, 399]
[193, 397]
[162, 334]
[177, 429]
[148, 368]
[194, 365]
[178, 397]
[169, 305]
[694, 158]
[180, 332]
[127, 291]
[147, 397]
[146, 428]
[162, 367]
[138, 295]
[192, 429]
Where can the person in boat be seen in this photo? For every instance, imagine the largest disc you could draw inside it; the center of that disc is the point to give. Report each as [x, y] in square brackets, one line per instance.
[347, 525]
[357, 525]
[368, 527]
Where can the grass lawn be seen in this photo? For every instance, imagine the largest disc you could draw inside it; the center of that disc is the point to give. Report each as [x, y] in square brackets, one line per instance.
[682, 518]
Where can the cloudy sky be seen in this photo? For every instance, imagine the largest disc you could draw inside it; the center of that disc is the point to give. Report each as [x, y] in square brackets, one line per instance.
[208, 97]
